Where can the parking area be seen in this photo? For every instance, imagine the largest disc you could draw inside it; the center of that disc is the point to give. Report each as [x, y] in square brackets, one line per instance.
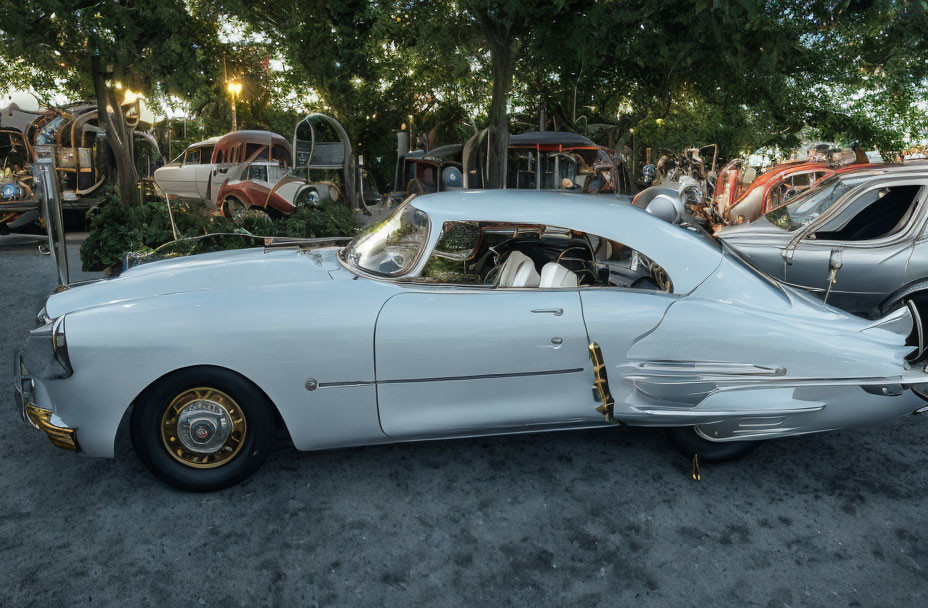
[598, 518]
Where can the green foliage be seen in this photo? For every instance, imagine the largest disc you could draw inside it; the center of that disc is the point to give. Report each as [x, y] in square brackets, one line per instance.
[116, 230]
[329, 219]
[743, 74]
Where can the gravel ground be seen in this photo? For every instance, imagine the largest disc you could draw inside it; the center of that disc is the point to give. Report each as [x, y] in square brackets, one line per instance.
[598, 518]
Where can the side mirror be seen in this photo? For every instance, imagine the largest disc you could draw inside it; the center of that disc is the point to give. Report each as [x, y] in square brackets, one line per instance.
[834, 261]
[834, 265]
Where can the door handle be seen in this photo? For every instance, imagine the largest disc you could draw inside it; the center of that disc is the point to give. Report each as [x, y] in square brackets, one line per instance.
[557, 312]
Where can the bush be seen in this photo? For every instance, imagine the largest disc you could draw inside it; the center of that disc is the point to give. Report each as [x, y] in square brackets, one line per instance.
[116, 229]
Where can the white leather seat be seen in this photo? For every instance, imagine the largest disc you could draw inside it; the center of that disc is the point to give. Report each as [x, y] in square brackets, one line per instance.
[510, 267]
[554, 275]
[602, 249]
[526, 275]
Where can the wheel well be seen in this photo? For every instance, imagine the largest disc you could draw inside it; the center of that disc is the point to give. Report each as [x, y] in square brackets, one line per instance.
[125, 417]
[225, 203]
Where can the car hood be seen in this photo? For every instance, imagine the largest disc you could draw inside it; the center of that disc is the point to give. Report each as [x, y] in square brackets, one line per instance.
[209, 271]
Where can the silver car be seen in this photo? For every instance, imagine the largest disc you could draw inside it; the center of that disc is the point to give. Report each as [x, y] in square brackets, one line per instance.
[859, 238]
[461, 314]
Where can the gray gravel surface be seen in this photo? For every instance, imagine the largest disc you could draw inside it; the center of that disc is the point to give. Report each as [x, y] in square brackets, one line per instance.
[603, 518]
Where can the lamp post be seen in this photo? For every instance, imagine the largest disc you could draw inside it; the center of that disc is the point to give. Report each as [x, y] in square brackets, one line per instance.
[234, 87]
[634, 154]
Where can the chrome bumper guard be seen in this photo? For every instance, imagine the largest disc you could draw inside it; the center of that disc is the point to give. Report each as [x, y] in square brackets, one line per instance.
[40, 418]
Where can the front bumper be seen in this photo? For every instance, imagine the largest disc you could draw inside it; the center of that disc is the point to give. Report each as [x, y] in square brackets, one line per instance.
[38, 417]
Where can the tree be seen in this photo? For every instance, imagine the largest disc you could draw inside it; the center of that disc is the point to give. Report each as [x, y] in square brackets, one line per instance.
[749, 73]
[154, 46]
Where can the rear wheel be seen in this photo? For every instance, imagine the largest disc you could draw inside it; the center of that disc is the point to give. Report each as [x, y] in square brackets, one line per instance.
[690, 442]
[203, 429]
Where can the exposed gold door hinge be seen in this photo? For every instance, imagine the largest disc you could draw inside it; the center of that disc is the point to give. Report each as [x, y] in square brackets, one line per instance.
[601, 384]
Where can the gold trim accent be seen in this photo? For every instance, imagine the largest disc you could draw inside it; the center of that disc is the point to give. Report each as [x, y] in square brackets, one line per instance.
[224, 454]
[60, 436]
[601, 384]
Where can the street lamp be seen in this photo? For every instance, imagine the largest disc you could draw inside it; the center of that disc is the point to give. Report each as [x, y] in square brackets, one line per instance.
[634, 154]
[234, 87]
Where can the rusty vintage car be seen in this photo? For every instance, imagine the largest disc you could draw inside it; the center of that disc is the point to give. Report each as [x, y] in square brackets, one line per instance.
[216, 172]
[741, 195]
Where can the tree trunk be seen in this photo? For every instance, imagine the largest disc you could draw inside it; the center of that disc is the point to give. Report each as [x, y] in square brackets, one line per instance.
[502, 61]
[118, 135]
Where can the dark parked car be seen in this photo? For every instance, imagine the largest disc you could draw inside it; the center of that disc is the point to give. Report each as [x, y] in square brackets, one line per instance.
[859, 238]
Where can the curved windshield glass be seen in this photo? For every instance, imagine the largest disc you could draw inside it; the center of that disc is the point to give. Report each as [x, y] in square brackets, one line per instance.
[391, 246]
[809, 205]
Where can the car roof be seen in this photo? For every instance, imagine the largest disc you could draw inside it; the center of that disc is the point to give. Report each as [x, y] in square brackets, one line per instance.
[258, 137]
[687, 256]
[206, 142]
[865, 172]
[549, 138]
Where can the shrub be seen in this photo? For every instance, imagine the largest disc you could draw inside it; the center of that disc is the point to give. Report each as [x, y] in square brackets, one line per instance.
[116, 229]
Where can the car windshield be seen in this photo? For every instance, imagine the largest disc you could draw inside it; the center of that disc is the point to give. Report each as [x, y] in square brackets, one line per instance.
[391, 246]
[809, 205]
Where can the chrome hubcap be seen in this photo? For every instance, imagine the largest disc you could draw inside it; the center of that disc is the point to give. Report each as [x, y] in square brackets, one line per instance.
[203, 428]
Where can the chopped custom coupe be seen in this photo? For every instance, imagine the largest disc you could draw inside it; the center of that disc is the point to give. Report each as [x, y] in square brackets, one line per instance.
[461, 314]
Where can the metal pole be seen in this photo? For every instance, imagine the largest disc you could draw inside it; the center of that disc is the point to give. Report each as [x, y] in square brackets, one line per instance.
[54, 222]
[634, 157]
[234, 121]
[170, 215]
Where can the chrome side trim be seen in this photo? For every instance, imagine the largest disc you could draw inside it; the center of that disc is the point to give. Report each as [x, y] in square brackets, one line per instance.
[709, 415]
[552, 372]
[345, 383]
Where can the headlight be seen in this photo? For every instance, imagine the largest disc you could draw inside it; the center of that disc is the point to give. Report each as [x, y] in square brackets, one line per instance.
[46, 352]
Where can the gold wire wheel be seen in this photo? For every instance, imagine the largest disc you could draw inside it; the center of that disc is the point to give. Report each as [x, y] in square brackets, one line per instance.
[203, 428]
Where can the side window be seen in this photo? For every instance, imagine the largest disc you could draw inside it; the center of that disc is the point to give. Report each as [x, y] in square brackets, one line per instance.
[800, 180]
[260, 149]
[877, 213]
[192, 157]
[280, 154]
[536, 256]
[206, 155]
[456, 247]
[618, 265]
[257, 173]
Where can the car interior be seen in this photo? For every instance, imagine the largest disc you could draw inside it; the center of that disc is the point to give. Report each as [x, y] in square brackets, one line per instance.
[537, 256]
[875, 214]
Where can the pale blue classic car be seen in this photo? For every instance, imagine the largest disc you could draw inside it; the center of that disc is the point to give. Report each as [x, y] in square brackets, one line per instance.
[461, 314]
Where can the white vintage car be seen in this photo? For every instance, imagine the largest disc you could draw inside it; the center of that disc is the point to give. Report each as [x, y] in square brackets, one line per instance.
[200, 173]
[461, 314]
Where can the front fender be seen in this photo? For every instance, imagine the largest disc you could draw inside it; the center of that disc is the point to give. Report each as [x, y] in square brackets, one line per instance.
[277, 337]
